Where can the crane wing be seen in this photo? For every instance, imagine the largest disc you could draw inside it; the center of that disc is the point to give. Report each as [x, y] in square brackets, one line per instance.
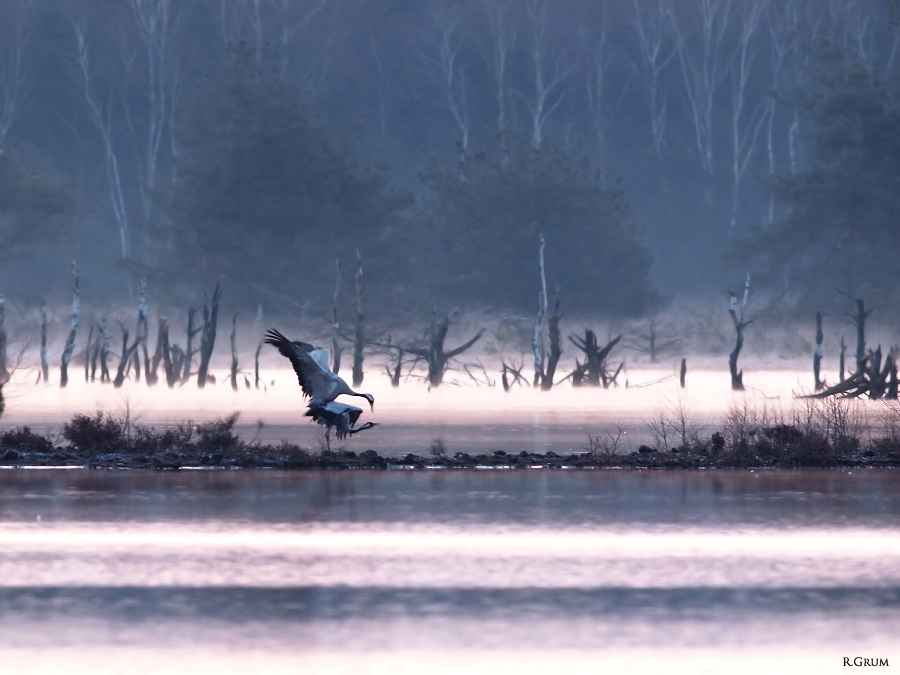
[315, 381]
[323, 357]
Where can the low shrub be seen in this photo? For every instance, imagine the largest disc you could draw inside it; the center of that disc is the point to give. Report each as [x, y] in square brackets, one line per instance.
[23, 438]
[97, 432]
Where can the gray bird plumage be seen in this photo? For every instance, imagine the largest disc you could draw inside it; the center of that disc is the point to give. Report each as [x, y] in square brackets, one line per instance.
[339, 416]
[311, 364]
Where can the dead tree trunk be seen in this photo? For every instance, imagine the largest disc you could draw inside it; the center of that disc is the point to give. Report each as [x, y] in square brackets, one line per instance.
[208, 337]
[594, 370]
[360, 325]
[655, 343]
[256, 364]
[516, 373]
[396, 371]
[151, 376]
[126, 357]
[173, 374]
[104, 352]
[189, 350]
[682, 375]
[892, 376]
[4, 373]
[555, 347]
[234, 355]
[141, 330]
[162, 346]
[859, 320]
[95, 359]
[434, 354]
[87, 354]
[45, 365]
[843, 352]
[537, 343]
[336, 349]
[817, 355]
[737, 376]
[69, 348]
[879, 376]
[398, 368]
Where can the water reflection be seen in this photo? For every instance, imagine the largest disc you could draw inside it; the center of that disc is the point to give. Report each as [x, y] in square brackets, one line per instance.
[496, 571]
[769, 498]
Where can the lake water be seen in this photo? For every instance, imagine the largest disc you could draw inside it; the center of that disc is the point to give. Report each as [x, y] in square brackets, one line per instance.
[448, 572]
[471, 419]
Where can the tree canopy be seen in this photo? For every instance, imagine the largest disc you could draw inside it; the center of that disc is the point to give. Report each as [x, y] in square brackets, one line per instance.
[31, 205]
[486, 215]
[265, 193]
[840, 223]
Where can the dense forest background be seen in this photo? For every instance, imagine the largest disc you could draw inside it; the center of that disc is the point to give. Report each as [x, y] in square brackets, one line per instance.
[660, 146]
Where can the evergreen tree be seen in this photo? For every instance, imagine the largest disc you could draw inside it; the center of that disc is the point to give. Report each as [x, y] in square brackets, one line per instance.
[485, 217]
[266, 194]
[840, 226]
[31, 206]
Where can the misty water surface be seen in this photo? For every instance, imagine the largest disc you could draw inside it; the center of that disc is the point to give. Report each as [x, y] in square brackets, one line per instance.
[400, 571]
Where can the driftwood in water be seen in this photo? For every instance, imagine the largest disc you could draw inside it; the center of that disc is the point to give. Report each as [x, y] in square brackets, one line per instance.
[871, 378]
[594, 370]
[208, 337]
[874, 379]
[359, 336]
[817, 355]
[737, 376]
[69, 348]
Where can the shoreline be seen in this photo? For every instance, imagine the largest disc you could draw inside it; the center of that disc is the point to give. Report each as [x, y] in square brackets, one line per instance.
[293, 458]
[102, 441]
